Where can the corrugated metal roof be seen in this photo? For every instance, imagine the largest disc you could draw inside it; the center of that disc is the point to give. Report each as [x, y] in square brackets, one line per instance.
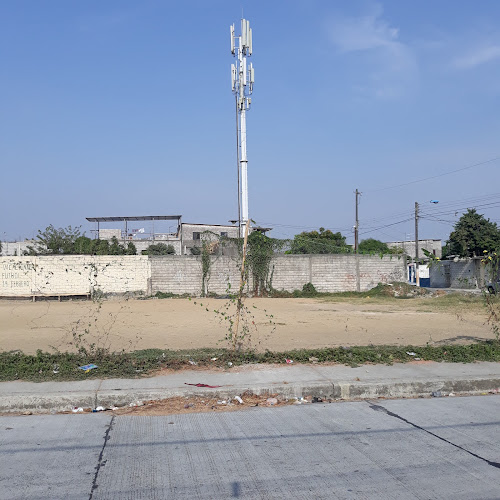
[134, 218]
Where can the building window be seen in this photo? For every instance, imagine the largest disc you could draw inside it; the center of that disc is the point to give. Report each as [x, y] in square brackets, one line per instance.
[434, 252]
[196, 236]
[223, 233]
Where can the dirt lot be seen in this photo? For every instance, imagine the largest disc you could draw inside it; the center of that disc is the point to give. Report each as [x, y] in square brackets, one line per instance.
[295, 323]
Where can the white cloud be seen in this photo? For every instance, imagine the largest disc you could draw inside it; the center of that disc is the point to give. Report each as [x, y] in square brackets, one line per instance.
[477, 57]
[362, 33]
[390, 67]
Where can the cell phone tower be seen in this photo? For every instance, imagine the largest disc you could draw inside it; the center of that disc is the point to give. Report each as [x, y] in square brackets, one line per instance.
[242, 79]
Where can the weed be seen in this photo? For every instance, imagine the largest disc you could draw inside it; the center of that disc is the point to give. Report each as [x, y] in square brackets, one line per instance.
[40, 367]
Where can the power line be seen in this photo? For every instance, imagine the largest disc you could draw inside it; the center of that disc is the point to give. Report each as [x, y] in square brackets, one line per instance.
[460, 209]
[387, 225]
[435, 176]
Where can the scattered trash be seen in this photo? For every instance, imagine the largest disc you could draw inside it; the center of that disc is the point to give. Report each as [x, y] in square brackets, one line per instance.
[213, 359]
[317, 400]
[99, 408]
[27, 412]
[289, 361]
[188, 405]
[87, 368]
[55, 369]
[411, 353]
[191, 362]
[224, 402]
[229, 363]
[271, 401]
[437, 394]
[312, 359]
[204, 385]
[238, 399]
[417, 359]
[451, 394]
[137, 403]
[77, 409]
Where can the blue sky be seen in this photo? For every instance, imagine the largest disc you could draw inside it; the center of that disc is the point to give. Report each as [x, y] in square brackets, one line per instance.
[125, 108]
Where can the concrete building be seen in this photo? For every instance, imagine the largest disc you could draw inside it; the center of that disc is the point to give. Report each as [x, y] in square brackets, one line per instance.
[16, 247]
[185, 236]
[432, 246]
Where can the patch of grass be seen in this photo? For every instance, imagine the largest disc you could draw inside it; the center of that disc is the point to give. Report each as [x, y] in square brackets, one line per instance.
[383, 291]
[41, 366]
[456, 301]
[170, 295]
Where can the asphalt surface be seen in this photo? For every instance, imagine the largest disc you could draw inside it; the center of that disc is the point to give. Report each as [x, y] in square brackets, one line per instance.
[399, 449]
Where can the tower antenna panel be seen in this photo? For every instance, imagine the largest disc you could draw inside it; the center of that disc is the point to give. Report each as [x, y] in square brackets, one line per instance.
[243, 33]
[233, 77]
[242, 80]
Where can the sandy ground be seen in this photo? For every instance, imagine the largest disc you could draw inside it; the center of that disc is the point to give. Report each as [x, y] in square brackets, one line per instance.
[275, 324]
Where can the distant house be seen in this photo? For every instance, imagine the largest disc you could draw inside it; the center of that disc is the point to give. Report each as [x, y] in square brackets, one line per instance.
[183, 237]
[16, 247]
[432, 246]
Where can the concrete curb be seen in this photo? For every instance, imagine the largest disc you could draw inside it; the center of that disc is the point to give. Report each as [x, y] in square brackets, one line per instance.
[346, 390]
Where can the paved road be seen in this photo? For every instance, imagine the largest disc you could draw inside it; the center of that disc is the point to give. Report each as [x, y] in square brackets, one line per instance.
[400, 449]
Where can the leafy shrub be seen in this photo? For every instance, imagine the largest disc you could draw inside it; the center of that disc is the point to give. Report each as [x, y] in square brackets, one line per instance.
[159, 249]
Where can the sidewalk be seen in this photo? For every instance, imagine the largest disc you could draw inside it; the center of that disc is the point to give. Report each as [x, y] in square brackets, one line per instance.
[334, 381]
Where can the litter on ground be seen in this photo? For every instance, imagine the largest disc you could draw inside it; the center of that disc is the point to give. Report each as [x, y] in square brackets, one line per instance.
[87, 368]
[204, 385]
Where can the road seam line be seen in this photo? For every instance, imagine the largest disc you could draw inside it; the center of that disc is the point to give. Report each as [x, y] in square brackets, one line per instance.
[376, 407]
[100, 462]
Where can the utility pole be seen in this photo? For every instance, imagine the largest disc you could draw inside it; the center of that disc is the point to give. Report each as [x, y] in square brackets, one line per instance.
[242, 79]
[356, 244]
[356, 227]
[416, 231]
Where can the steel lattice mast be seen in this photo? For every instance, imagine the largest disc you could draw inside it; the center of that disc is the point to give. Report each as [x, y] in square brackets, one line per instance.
[242, 79]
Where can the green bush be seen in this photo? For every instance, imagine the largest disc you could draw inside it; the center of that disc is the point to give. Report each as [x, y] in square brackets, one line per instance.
[159, 249]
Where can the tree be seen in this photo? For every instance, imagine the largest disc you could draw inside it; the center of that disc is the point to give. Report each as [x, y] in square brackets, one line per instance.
[55, 241]
[472, 235]
[324, 241]
[371, 245]
[159, 249]
[70, 241]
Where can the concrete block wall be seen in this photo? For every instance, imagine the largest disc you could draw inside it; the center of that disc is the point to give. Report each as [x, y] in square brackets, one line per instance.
[335, 273]
[80, 274]
[375, 270]
[73, 274]
[290, 272]
[122, 273]
[183, 274]
[440, 274]
[464, 274]
[328, 273]
[176, 274]
[224, 270]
